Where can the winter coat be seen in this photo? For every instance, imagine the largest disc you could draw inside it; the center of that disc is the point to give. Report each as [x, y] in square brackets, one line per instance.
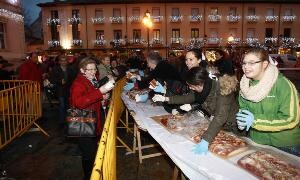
[83, 95]
[277, 116]
[56, 76]
[162, 72]
[30, 70]
[104, 70]
[221, 103]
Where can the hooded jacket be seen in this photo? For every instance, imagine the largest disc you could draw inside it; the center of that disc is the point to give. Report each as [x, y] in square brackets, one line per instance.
[221, 103]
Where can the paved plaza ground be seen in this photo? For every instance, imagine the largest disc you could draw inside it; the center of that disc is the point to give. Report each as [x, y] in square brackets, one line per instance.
[34, 156]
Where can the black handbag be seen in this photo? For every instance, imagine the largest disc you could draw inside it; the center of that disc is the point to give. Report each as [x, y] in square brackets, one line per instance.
[81, 123]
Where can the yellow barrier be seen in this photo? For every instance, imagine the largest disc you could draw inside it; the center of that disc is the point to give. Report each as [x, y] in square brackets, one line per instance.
[20, 107]
[105, 161]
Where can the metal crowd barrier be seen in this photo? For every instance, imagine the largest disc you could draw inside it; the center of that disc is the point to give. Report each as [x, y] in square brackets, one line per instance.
[20, 107]
[105, 161]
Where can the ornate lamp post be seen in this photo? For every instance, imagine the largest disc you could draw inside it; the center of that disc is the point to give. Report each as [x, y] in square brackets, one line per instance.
[148, 23]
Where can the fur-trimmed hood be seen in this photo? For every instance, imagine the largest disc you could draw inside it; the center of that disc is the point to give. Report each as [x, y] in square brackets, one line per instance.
[228, 84]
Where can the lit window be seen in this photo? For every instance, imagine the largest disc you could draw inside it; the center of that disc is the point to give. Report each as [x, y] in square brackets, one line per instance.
[194, 33]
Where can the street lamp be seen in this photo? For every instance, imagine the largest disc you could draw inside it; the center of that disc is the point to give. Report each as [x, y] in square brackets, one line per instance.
[230, 39]
[148, 23]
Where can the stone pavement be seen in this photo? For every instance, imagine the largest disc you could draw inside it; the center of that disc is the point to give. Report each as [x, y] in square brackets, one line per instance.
[34, 156]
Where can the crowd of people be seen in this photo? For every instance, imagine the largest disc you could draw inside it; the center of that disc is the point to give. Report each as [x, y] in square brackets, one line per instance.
[263, 105]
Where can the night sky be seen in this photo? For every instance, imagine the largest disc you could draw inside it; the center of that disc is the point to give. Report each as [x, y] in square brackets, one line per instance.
[31, 7]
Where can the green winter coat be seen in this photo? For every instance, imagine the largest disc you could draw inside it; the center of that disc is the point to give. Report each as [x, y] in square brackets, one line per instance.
[276, 116]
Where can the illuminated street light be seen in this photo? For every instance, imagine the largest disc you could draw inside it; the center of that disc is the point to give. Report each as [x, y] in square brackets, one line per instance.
[230, 39]
[148, 23]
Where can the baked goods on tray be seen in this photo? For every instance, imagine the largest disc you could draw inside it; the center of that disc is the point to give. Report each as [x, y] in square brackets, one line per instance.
[170, 122]
[131, 94]
[268, 166]
[153, 83]
[225, 144]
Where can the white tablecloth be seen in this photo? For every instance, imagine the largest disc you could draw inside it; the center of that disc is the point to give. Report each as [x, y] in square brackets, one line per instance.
[179, 149]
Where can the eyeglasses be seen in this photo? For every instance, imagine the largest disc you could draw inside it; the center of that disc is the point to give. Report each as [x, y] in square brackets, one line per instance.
[250, 63]
[91, 69]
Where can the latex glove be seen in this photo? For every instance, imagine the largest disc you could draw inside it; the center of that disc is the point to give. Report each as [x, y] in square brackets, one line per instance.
[158, 97]
[186, 107]
[159, 88]
[107, 87]
[128, 86]
[141, 72]
[136, 76]
[141, 98]
[201, 147]
[174, 112]
[245, 119]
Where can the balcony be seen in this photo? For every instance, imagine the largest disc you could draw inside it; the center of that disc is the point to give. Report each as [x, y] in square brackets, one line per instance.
[157, 19]
[271, 18]
[74, 20]
[98, 20]
[288, 18]
[53, 21]
[234, 41]
[251, 40]
[233, 19]
[175, 19]
[116, 20]
[195, 43]
[99, 42]
[288, 40]
[176, 40]
[214, 18]
[137, 41]
[252, 18]
[135, 19]
[195, 18]
[156, 42]
[214, 40]
[77, 42]
[270, 39]
[54, 43]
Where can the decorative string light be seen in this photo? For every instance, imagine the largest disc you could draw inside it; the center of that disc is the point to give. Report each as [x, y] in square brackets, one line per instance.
[288, 18]
[11, 15]
[271, 18]
[176, 18]
[214, 18]
[195, 18]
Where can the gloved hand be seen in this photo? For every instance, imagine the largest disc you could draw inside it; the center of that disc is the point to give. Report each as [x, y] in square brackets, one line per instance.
[141, 98]
[245, 119]
[128, 86]
[174, 112]
[201, 147]
[107, 87]
[186, 107]
[159, 88]
[158, 97]
[141, 73]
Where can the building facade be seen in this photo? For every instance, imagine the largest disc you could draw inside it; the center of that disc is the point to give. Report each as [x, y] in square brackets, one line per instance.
[176, 25]
[12, 36]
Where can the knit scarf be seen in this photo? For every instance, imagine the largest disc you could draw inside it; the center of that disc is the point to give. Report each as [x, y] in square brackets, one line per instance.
[201, 97]
[258, 92]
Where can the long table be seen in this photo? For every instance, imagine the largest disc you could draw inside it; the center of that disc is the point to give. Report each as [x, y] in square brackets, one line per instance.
[179, 149]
